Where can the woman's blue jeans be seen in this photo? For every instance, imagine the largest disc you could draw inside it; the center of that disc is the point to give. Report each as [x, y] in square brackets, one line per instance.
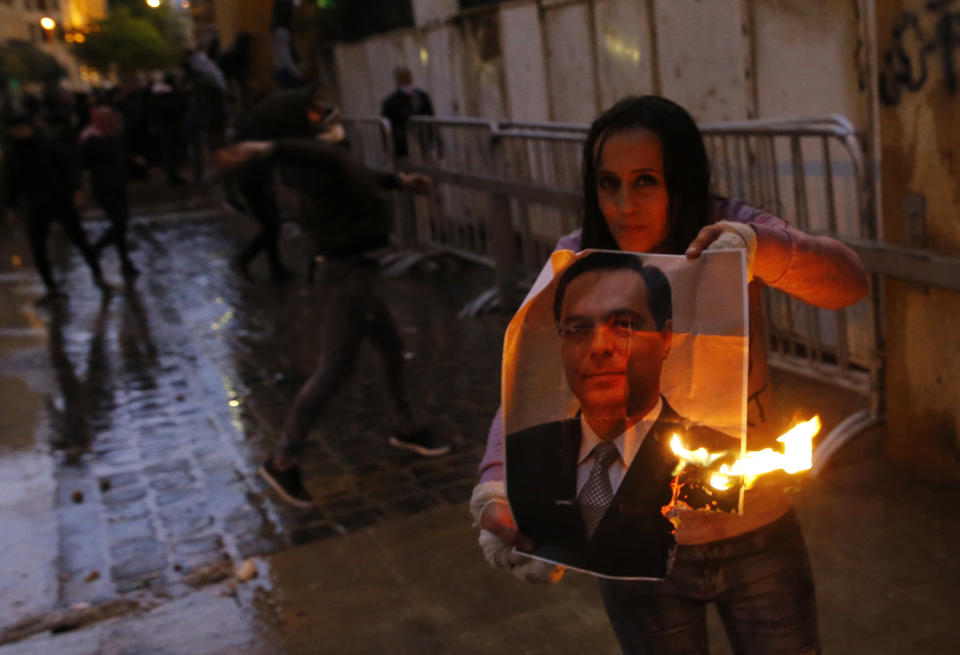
[760, 582]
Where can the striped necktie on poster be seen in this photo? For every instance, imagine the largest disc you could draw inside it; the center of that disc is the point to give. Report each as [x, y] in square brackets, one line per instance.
[597, 492]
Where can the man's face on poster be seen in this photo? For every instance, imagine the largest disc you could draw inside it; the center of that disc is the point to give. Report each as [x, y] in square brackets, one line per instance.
[611, 348]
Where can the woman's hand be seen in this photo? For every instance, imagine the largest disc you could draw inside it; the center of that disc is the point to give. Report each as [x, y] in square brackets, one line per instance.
[726, 235]
[706, 236]
[497, 519]
[499, 536]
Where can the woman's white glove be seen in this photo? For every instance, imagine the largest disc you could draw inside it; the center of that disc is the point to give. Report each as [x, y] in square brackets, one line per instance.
[733, 236]
[501, 555]
[498, 552]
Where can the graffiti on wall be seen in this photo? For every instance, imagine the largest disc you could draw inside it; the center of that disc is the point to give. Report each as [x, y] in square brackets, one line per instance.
[922, 43]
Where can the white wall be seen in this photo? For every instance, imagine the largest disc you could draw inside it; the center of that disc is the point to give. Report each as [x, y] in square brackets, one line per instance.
[807, 59]
[570, 63]
[353, 73]
[481, 63]
[566, 61]
[625, 52]
[703, 55]
[526, 81]
[431, 11]
[439, 74]
[384, 53]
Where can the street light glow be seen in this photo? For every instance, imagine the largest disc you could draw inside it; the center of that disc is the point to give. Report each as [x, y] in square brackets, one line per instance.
[153, 4]
[47, 23]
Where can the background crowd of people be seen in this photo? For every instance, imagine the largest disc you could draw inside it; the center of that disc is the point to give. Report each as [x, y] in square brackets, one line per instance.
[166, 124]
[175, 120]
[169, 122]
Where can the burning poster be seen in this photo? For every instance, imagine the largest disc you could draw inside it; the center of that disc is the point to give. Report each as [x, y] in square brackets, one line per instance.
[624, 395]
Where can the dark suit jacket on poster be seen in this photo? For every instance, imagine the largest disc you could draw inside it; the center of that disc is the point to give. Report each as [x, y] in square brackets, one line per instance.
[634, 539]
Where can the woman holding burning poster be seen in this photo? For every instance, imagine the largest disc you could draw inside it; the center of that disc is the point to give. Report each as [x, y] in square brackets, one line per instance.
[646, 189]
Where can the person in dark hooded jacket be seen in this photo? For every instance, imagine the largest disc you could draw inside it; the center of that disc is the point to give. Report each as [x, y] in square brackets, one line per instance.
[344, 210]
[284, 115]
[42, 178]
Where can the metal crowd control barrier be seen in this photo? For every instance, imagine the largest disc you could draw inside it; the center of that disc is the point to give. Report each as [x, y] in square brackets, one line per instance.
[811, 170]
[371, 142]
[459, 215]
[493, 184]
[507, 191]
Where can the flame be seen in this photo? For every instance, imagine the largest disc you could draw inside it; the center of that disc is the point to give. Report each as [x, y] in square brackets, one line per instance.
[720, 481]
[797, 456]
[700, 456]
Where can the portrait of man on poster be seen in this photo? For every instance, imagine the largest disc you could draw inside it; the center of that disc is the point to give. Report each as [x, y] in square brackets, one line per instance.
[590, 490]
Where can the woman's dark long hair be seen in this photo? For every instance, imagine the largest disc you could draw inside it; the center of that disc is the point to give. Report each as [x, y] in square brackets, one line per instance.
[685, 164]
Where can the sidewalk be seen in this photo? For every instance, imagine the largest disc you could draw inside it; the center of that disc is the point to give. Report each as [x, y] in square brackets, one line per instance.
[133, 424]
[419, 585]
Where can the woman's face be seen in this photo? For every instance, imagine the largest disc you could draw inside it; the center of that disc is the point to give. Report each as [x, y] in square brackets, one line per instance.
[631, 190]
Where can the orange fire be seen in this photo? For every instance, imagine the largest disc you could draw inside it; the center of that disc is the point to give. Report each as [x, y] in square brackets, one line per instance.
[797, 456]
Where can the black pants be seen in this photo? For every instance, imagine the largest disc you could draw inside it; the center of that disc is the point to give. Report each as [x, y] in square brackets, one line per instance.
[354, 310]
[170, 148]
[115, 205]
[262, 199]
[39, 219]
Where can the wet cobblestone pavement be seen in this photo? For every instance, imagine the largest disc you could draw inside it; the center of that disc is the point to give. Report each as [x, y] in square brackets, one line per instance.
[160, 400]
[131, 427]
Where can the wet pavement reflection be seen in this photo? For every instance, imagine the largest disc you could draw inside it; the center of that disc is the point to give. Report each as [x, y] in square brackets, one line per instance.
[159, 400]
[132, 425]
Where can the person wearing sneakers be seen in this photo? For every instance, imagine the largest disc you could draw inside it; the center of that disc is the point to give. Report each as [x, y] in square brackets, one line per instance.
[345, 213]
[41, 176]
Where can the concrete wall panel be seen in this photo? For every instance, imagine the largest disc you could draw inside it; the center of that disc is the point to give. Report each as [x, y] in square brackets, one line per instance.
[570, 68]
[351, 66]
[482, 65]
[525, 71]
[625, 56]
[384, 53]
[703, 54]
[411, 43]
[806, 60]
[921, 157]
[415, 55]
[438, 73]
[432, 11]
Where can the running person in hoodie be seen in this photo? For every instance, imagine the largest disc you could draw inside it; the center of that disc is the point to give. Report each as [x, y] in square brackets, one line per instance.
[345, 213]
[284, 115]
